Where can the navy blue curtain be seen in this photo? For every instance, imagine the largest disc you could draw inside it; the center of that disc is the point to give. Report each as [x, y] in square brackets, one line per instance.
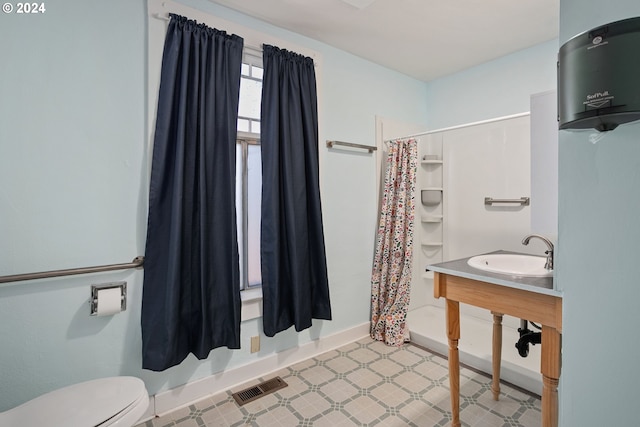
[191, 297]
[294, 272]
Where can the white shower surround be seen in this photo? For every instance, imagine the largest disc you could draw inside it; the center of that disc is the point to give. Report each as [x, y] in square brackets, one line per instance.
[484, 159]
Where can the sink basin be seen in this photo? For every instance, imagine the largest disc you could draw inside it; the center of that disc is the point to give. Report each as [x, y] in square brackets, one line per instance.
[511, 264]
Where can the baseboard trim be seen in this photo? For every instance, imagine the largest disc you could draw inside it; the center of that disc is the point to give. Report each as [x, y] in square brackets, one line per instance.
[179, 397]
[509, 372]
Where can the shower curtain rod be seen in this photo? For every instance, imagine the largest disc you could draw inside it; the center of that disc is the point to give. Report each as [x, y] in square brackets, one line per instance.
[497, 119]
[137, 262]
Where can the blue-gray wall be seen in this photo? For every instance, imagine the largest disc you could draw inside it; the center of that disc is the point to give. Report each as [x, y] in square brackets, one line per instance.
[73, 190]
[597, 258]
[498, 88]
[73, 120]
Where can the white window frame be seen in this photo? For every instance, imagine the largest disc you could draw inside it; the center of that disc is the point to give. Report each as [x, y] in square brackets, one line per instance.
[245, 139]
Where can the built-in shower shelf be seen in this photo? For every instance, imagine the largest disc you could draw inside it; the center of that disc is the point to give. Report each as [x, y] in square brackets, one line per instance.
[430, 210]
[432, 218]
[431, 196]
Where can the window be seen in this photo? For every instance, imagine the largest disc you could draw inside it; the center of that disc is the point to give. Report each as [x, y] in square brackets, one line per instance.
[250, 92]
[249, 170]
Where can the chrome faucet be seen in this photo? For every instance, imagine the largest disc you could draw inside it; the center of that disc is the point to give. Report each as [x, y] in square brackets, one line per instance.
[549, 252]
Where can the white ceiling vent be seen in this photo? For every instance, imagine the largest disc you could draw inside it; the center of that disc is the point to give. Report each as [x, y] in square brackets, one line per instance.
[360, 4]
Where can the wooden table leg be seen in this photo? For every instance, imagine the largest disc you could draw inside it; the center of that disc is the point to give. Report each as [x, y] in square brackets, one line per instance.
[550, 368]
[453, 334]
[496, 354]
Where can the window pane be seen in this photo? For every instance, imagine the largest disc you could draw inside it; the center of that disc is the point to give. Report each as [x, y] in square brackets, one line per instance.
[256, 72]
[239, 208]
[249, 169]
[243, 125]
[254, 176]
[250, 94]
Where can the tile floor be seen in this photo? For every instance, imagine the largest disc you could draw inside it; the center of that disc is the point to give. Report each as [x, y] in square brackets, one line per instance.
[365, 383]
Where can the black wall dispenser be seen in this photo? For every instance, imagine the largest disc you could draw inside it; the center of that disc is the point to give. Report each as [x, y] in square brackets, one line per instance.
[599, 77]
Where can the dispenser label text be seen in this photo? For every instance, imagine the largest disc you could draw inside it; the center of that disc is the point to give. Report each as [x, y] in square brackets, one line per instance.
[598, 99]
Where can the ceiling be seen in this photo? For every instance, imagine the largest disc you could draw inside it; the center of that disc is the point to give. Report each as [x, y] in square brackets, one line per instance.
[425, 39]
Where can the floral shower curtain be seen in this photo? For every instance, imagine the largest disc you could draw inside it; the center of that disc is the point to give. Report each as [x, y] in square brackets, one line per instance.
[391, 276]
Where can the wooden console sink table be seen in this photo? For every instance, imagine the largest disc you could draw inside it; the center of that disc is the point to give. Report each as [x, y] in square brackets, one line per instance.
[458, 283]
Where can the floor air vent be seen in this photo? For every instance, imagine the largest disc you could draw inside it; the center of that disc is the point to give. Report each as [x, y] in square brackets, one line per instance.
[252, 393]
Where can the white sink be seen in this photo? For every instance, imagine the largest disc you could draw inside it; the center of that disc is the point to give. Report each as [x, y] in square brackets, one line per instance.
[512, 264]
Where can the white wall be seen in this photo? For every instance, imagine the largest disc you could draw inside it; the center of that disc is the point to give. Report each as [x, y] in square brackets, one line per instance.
[544, 164]
[490, 159]
[597, 257]
[486, 160]
[495, 89]
[73, 121]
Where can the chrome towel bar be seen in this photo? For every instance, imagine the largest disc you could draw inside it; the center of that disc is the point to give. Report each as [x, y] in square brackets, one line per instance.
[370, 148]
[524, 201]
[136, 263]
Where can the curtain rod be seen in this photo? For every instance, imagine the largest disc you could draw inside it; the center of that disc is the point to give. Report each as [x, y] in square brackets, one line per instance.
[370, 148]
[162, 17]
[137, 262]
[481, 122]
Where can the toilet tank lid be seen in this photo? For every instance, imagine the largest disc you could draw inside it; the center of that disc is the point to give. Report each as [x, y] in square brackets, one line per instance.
[84, 404]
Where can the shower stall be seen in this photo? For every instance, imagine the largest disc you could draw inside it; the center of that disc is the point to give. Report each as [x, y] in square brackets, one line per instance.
[458, 168]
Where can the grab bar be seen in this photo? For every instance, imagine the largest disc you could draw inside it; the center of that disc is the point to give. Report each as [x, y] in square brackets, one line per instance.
[524, 201]
[137, 262]
[370, 148]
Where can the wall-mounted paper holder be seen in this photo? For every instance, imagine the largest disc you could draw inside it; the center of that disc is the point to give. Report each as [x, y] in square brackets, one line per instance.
[94, 295]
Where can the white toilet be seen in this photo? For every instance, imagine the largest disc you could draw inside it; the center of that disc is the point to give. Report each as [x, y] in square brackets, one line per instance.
[105, 402]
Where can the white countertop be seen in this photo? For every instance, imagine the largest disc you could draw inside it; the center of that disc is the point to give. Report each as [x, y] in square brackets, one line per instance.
[460, 268]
